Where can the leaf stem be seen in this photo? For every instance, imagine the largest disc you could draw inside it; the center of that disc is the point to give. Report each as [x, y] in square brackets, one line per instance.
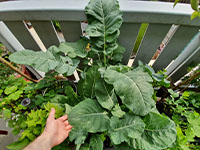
[104, 59]
[79, 70]
[8, 64]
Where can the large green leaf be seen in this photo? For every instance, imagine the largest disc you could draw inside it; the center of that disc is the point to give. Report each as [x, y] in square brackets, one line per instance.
[117, 111]
[89, 115]
[117, 55]
[73, 49]
[104, 21]
[45, 61]
[86, 86]
[79, 136]
[134, 88]
[159, 133]
[105, 94]
[96, 143]
[71, 97]
[123, 146]
[122, 130]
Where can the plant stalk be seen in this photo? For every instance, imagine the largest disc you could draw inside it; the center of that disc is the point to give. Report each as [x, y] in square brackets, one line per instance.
[79, 70]
[187, 81]
[8, 64]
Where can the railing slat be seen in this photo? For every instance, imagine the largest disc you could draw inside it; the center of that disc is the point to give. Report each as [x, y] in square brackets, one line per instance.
[71, 30]
[182, 69]
[192, 46]
[8, 39]
[153, 37]
[182, 36]
[128, 35]
[22, 34]
[46, 32]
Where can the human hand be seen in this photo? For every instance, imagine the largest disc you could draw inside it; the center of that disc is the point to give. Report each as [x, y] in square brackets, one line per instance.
[57, 129]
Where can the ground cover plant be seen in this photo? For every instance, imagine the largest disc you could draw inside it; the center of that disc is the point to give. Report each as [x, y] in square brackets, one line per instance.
[112, 105]
[4, 70]
[184, 110]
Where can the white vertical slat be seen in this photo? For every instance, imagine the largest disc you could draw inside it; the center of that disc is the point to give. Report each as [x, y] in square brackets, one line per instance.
[153, 37]
[21, 32]
[71, 30]
[46, 32]
[128, 35]
[177, 43]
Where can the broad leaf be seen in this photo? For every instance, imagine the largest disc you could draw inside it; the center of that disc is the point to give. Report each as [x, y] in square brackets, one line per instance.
[96, 143]
[122, 130]
[116, 111]
[68, 108]
[123, 146]
[86, 86]
[67, 65]
[45, 61]
[195, 4]
[72, 96]
[42, 61]
[105, 94]
[117, 54]
[104, 21]
[159, 133]
[134, 88]
[89, 115]
[11, 89]
[79, 136]
[194, 15]
[74, 49]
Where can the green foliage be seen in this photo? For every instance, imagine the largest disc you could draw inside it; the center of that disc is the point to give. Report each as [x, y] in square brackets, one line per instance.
[184, 110]
[96, 143]
[195, 6]
[5, 71]
[123, 130]
[46, 61]
[134, 88]
[90, 116]
[111, 105]
[74, 49]
[158, 130]
[103, 27]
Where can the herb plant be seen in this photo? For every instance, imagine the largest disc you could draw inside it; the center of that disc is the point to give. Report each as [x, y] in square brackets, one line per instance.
[112, 105]
[184, 110]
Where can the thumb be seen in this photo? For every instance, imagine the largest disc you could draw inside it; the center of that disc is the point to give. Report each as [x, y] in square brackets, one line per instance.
[51, 114]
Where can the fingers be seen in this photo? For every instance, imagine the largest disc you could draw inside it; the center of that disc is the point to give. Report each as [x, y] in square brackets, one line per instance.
[68, 127]
[51, 114]
[63, 118]
[66, 123]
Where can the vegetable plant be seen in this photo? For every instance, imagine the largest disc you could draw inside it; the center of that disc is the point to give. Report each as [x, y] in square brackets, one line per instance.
[112, 105]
